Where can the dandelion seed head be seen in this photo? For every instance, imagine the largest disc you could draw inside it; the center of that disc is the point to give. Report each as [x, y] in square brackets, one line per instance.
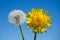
[16, 17]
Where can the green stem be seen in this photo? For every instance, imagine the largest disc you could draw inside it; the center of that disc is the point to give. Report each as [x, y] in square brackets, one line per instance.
[21, 32]
[35, 36]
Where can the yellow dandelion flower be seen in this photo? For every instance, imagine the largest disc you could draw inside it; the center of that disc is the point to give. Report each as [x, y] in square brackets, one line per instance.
[38, 20]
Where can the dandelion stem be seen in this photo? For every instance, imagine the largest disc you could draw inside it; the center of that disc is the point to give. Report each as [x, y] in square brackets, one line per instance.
[35, 36]
[21, 32]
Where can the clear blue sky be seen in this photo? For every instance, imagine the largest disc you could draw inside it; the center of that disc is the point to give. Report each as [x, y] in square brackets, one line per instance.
[11, 32]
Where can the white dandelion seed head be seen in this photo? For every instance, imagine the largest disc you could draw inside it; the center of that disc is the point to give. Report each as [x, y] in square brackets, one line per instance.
[18, 13]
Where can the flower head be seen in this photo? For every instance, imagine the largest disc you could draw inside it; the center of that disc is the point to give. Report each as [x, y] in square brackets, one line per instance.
[16, 17]
[38, 20]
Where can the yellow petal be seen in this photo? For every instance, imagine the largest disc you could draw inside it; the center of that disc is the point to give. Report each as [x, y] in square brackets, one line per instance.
[28, 20]
[34, 30]
[49, 25]
[44, 30]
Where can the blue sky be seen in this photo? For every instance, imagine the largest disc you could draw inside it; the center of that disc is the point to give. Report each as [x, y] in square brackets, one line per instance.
[12, 32]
